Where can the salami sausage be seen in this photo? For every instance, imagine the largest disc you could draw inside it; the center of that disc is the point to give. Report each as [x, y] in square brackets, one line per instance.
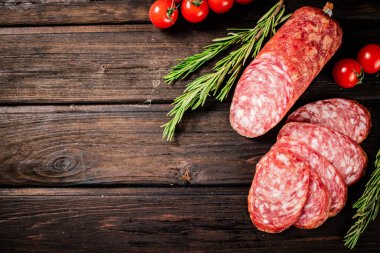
[344, 153]
[279, 191]
[342, 115]
[283, 70]
[316, 210]
[328, 174]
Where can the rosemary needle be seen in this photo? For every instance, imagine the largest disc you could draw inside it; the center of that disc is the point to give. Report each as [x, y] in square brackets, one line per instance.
[192, 63]
[367, 207]
[197, 91]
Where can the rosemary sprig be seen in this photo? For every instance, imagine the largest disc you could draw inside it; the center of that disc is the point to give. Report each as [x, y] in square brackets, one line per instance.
[367, 207]
[192, 63]
[197, 91]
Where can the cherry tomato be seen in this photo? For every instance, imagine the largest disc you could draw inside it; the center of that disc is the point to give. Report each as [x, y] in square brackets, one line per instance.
[347, 73]
[369, 58]
[244, 1]
[194, 11]
[220, 6]
[163, 13]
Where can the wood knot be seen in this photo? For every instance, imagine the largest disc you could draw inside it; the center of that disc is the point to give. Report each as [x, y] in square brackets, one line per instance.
[61, 165]
[187, 174]
[103, 68]
[186, 177]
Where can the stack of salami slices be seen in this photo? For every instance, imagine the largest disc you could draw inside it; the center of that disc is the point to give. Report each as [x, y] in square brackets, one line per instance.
[303, 179]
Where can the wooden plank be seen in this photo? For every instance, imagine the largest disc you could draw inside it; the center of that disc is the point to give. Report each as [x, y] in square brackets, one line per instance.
[154, 219]
[122, 144]
[42, 12]
[125, 64]
[119, 145]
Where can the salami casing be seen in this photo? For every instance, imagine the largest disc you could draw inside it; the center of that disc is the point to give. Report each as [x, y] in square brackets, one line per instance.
[317, 206]
[283, 70]
[344, 153]
[328, 174]
[342, 115]
[279, 191]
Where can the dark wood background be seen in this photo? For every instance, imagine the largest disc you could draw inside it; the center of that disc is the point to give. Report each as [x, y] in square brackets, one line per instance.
[83, 167]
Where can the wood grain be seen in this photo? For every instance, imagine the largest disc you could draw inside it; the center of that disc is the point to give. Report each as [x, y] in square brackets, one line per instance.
[58, 12]
[125, 64]
[108, 144]
[154, 219]
[81, 105]
[120, 145]
[42, 12]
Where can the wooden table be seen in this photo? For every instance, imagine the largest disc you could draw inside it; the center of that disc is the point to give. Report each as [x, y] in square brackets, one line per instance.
[83, 167]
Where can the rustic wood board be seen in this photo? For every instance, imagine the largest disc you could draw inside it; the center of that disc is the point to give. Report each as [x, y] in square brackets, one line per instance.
[81, 105]
[154, 219]
[125, 64]
[74, 12]
[108, 144]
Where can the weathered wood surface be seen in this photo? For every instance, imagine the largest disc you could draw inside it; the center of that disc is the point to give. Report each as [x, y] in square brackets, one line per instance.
[125, 64]
[56, 12]
[107, 144]
[154, 219]
[82, 101]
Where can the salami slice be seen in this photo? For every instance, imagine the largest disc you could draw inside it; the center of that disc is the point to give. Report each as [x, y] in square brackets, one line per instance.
[342, 115]
[344, 153]
[316, 210]
[279, 191]
[328, 174]
[283, 70]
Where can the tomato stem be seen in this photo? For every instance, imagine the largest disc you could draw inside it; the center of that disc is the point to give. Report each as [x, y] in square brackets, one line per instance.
[170, 11]
[196, 3]
[359, 76]
[328, 8]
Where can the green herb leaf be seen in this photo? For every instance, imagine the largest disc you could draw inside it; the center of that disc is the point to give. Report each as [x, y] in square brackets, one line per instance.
[367, 207]
[194, 62]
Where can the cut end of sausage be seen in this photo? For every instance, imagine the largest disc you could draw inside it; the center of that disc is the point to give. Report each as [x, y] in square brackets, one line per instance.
[254, 110]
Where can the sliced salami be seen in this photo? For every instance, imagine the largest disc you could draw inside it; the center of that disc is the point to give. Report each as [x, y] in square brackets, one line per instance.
[342, 115]
[316, 210]
[279, 191]
[328, 174]
[344, 153]
[283, 70]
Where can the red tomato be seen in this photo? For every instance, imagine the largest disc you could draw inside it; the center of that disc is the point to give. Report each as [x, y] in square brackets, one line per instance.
[163, 13]
[244, 1]
[220, 6]
[369, 58]
[194, 11]
[347, 73]
[177, 1]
